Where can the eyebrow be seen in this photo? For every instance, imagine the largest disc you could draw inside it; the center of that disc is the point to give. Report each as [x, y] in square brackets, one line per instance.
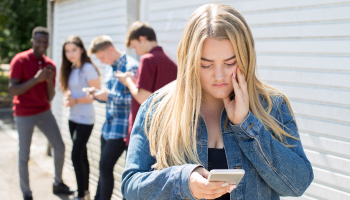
[213, 60]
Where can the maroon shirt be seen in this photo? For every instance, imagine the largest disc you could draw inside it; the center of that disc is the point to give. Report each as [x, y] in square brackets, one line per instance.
[24, 66]
[155, 71]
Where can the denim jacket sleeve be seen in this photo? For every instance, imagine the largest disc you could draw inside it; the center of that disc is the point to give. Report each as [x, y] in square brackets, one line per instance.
[285, 170]
[140, 181]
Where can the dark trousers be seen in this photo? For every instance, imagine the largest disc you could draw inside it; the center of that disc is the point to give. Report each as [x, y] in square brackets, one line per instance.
[80, 134]
[111, 150]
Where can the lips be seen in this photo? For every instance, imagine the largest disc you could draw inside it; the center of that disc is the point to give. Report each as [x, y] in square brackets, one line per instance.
[41, 49]
[220, 84]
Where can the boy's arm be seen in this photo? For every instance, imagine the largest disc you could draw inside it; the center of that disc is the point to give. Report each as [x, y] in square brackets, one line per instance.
[139, 94]
[18, 88]
[50, 89]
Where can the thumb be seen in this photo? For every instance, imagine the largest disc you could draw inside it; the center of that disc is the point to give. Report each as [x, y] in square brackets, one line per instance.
[203, 172]
[227, 102]
[118, 72]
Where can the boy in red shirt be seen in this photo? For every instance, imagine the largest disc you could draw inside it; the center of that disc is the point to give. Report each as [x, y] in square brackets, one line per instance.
[155, 71]
[32, 85]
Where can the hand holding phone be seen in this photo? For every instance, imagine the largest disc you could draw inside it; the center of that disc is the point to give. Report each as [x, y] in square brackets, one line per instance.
[90, 91]
[201, 188]
[231, 176]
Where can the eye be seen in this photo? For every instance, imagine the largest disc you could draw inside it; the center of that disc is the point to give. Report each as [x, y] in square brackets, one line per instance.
[205, 67]
[231, 64]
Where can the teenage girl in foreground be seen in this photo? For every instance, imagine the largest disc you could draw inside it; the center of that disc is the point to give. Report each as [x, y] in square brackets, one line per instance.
[217, 115]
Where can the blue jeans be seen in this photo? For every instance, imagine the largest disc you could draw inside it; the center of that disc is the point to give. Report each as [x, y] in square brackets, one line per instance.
[111, 150]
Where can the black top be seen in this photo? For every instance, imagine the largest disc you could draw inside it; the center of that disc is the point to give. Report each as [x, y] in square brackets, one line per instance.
[217, 160]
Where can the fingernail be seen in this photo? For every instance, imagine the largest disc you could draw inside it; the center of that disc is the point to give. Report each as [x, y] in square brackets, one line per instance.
[233, 74]
[224, 185]
[232, 187]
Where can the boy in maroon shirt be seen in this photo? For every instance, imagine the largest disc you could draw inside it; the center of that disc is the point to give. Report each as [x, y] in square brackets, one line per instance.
[32, 85]
[155, 71]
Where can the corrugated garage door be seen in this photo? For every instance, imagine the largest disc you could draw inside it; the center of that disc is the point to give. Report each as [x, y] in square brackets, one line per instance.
[88, 19]
[303, 48]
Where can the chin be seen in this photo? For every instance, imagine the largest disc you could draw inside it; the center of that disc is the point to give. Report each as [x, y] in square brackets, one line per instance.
[41, 52]
[221, 95]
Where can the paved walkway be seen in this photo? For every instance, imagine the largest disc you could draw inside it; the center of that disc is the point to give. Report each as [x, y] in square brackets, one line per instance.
[40, 168]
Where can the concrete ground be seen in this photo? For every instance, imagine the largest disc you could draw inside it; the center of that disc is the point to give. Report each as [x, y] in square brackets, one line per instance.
[40, 167]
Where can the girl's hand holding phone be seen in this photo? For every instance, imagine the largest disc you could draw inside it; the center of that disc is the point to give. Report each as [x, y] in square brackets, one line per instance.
[90, 91]
[69, 101]
[203, 189]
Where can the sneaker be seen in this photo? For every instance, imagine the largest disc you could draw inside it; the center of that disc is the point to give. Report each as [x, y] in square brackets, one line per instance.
[62, 189]
[87, 195]
[28, 198]
[79, 198]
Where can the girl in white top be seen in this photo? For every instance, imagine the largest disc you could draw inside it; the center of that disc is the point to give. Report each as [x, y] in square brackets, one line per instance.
[77, 72]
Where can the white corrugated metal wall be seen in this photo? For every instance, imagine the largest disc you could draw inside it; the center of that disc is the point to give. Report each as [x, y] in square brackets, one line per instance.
[88, 19]
[303, 49]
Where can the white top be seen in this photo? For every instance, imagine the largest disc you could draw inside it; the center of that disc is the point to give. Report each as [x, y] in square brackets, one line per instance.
[78, 79]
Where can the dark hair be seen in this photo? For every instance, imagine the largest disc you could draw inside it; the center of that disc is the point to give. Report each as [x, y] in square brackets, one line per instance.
[41, 30]
[138, 29]
[66, 66]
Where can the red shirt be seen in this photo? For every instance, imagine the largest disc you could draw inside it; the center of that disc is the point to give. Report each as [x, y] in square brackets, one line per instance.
[155, 71]
[24, 66]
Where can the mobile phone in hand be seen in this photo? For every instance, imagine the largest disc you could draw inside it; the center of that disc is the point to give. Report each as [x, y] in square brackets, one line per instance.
[231, 176]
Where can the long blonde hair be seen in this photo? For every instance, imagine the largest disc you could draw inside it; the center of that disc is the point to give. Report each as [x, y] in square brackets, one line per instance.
[171, 128]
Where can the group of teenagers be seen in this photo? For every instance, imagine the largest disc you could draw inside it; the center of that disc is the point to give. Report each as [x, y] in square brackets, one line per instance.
[177, 122]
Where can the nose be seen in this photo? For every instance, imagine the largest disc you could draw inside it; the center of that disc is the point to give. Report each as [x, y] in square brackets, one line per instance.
[218, 73]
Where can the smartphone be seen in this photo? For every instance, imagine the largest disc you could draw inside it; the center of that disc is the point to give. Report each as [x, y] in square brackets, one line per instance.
[86, 90]
[231, 176]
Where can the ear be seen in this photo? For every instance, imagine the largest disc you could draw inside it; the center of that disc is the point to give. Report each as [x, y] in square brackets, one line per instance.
[142, 39]
[31, 41]
[111, 48]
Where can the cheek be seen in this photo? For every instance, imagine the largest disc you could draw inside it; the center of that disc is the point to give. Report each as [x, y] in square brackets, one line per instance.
[232, 70]
[205, 78]
[137, 49]
[77, 54]
[69, 55]
[110, 58]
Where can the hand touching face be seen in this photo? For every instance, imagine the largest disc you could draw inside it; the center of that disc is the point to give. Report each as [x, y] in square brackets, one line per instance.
[238, 108]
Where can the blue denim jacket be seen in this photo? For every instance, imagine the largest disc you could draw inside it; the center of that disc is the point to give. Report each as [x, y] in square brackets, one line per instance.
[272, 170]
